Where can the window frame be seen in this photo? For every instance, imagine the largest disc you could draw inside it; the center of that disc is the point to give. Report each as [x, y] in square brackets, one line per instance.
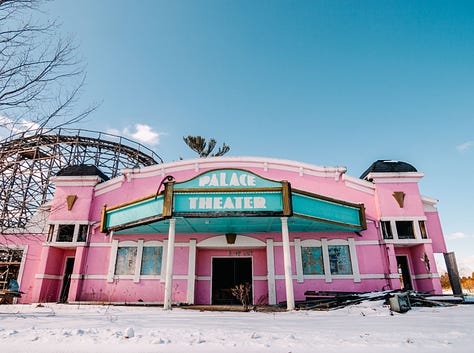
[324, 243]
[348, 258]
[402, 226]
[24, 249]
[155, 273]
[121, 268]
[387, 232]
[136, 276]
[418, 233]
[53, 232]
[303, 252]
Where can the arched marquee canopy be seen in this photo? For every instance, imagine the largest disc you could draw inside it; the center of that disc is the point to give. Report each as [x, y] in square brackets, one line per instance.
[226, 201]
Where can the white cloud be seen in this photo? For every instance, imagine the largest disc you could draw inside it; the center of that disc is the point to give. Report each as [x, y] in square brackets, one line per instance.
[11, 127]
[459, 235]
[144, 133]
[141, 133]
[465, 146]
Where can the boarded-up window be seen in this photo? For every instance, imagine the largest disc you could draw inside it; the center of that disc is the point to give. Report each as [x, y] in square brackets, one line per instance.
[312, 258]
[151, 260]
[65, 232]
[10, 261]
[126, 260]
[340, 260]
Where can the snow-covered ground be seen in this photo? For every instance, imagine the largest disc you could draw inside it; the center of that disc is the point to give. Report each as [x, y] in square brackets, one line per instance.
[367, 327]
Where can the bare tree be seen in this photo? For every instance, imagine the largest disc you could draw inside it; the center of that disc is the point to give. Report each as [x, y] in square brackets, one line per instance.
[204, 148]
[40, 73]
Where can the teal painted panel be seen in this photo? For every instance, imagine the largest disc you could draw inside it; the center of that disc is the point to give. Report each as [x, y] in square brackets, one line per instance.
[151, 260]
[131, 213]
[327, 210]
[312, 258]
[270, 201]
[227, 178]
[126, 258]
[239, 225]
[340, 260]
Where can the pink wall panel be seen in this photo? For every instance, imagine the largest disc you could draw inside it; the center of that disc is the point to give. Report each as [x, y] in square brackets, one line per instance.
[88, 206]
[80, 209]
[435, 233]
[388, 205]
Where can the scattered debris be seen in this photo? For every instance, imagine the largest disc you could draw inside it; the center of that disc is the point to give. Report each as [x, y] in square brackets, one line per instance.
[6, 296]
[399, 301]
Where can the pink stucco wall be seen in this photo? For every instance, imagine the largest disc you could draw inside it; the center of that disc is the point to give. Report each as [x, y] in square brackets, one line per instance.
[32, 247]
[376, 258]
[435, 233]
[389, 207]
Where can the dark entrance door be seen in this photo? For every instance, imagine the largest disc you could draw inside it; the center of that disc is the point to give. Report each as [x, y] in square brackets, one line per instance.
[227, 273]
[66, 280]
[404, 272]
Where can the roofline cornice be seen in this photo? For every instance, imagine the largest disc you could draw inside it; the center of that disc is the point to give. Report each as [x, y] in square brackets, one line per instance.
[395, 177]
[236, 162]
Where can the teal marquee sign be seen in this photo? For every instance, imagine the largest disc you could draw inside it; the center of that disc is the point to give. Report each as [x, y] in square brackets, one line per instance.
[228, 178]
[228, 202]
[227, 194]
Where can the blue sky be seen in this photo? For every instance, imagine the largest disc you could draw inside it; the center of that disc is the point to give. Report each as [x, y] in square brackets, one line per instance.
[324, 82]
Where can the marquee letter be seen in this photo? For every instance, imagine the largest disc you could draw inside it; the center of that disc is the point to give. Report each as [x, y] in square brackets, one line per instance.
[214, 181]
[204, 180]
[242, 179]
[192, 203]
[259, 202]
[228, 203]
[250, 180]
[234, 181]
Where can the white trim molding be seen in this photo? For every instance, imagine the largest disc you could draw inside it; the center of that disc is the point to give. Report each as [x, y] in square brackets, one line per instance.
[220, 242]
[47, 276]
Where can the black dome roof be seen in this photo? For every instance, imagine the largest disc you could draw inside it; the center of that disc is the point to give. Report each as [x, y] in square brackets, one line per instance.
[388, 166]
[82, 169]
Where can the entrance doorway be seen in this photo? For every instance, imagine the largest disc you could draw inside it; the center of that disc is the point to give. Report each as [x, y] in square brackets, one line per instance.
[228, 273]
[404, 272]
[66, 279]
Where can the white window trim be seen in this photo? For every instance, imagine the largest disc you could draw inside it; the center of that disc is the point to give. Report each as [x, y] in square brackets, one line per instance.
[324, 244]
[74, 241]
[139, 244]
[416, 228]
[24, 248]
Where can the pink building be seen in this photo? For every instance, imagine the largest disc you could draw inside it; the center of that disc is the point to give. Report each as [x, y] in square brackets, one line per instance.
[188, 231]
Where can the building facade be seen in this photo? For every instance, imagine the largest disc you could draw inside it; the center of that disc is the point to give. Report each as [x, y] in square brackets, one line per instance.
[189, 231]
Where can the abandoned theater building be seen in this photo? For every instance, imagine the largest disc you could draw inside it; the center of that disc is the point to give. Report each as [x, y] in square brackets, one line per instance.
[189, 231]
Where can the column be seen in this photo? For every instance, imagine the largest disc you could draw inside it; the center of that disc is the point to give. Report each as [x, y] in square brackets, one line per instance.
[290, 296]
[191, 271]
[169, 265]
[271, 273]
